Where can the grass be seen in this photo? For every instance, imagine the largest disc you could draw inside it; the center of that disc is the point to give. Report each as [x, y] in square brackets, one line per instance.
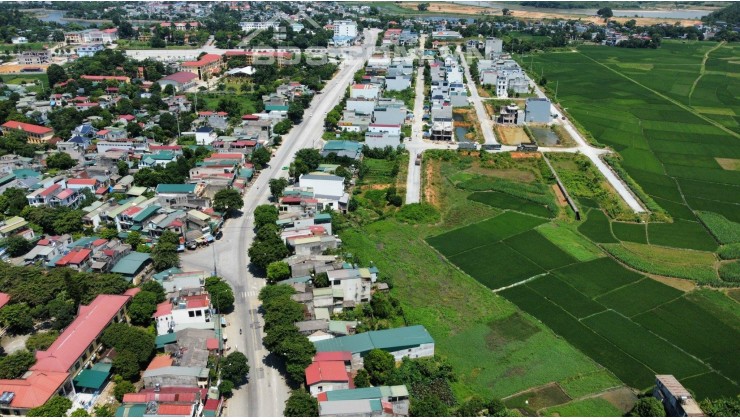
[597, 277]
[508, 266]
[571, 300]
[730, 271]
[592, 407]
[630, 232]
[681, 234]
[532, 401]
[680, 263]
[563, 236]
[35, 46]
[589, 383]
[506, 201]
[539, 250]
[210, 102]
[597, 227]
[380, 171]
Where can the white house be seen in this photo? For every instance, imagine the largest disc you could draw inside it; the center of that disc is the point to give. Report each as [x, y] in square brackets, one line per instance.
[324, 185]
[345, 28]
[204, 136]
[322, 376]
[184, 312]
[385, 128]
[364, 91]
[19, 40]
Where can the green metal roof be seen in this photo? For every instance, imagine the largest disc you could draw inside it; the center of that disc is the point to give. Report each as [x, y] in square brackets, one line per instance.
[25, 173]
[83, 241]
[162, 340]
[131, 410]
[131, 264]
[162, 275]
[92, 379]
[276, 107]
[342, 145]
[376, 405]
[353, 394]
[175, 188]
[4, 180]
[322, 217]
[294, 280]
[389, 340]
[146, 213]
[102, 367]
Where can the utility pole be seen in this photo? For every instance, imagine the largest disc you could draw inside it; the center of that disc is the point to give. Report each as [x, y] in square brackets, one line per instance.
[215, 270]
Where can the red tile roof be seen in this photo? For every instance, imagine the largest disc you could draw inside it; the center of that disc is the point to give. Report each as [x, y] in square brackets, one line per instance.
[175, 410]
[212, 404]
[330, 371]
[212, 344]
[163, 360]
[74, 257]
[197, 301]
[82, 181]
[99, 242]
[34, 390]
[332, 356]
[163, 309]
[217, 156]
[65, 193]
[131, 211]
[132, 291]
[250, 117]
[77, 337]
[29, 128]
[4, 299]
[50, 190]
[181, 77]
[206, 59]
[127, 117]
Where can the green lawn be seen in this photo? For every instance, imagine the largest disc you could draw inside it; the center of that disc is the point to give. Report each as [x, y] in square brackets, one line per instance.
[593, 407]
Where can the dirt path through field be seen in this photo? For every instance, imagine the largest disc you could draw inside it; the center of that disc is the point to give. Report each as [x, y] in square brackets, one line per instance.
[703, 68]
[430, 185]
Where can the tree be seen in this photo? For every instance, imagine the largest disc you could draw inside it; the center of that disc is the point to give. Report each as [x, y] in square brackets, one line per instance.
[169, 90]
[142, 307]
[321, 280]
[277, 186]
[283, 127]
[278, 270]
[428, 406]
[301, 404]
[505, 11]
[222, 296]
[605, 12]
[262, 253]
[41, 341]
[164, 253]
[124, 337]
[80, 412]
[228, 200]
[226, 388]
[122, 388]
[362, 379]
[104, 411]
[14, 201]
[723, 407]
[16, 245]
[133, 239]
[496, 408]
[57, 406]
[15, 365]
[265, 214]
[122, 168]
[471, 408]
[422, 7]
[67, 221]
[379, 364]
[126, 364]
[235, 368]
[56, 74]
[648, 407]
[260, 157]
[156, 288]
[17, 318]
[108, 233]
[310, 157]
[61, 161]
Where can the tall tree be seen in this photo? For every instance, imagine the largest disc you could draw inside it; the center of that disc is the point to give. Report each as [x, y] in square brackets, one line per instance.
[235, 368]
[165, 253]
[265, 214]
[277, 186]
[56, 74]
[648, 407]
[228, 200]
[57, 406]
[301, 404]
[379, 364]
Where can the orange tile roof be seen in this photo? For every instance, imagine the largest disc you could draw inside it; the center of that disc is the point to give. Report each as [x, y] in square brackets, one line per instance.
[163, 360]
[330, 371]
[175, 410]
[29, 128]
[34, 390]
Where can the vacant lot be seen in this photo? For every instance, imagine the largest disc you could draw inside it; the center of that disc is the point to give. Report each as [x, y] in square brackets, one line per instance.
[512, 135]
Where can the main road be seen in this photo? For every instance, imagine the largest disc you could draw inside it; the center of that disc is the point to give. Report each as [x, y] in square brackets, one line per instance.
[265, 393]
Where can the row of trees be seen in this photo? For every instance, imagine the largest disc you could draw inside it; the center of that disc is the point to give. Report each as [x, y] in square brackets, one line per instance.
[267, 246]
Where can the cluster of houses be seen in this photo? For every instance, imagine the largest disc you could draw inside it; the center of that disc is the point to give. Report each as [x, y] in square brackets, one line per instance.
[448, 90]
[500, 70]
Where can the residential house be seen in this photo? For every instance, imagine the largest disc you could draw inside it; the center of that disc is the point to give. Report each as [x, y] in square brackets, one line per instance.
[511, 114]
[343, 148]
[204, 136]
[678, 401]
[34, 57]
[537, 110]
[183, 312]
[413, 342]
[187, 195]
[16, 226]
[382, 140]
[89, 50]
[366, 91]
[181, 80]
[325, 376]
[396, 396]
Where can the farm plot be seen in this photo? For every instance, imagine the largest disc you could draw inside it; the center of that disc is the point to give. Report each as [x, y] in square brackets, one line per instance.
[597, 277]
[654, 352]
[539, 250]
[505, 266]
[681, 234]
[725, 231]
[651, 295]
[569, 241]
[506, 201]
[597, 227]
[630, 232]
[571, 300]
[592, 407]
[478, 234]
[671, 262]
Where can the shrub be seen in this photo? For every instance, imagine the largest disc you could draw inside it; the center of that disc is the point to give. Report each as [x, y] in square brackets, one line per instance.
[418, 213]
[730, 271]
[729, 251]
[725, 231]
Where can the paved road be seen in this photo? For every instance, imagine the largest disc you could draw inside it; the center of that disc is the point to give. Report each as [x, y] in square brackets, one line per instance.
[485, 121]
[266, 392]
[413, 181]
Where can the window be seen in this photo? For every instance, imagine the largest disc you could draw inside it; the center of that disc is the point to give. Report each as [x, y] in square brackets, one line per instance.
[198, 313]
[191, 314]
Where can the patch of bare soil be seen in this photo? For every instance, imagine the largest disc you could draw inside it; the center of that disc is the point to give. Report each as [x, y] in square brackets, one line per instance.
[622, 398]
[431, 183]
[562, 202]
[680, 284]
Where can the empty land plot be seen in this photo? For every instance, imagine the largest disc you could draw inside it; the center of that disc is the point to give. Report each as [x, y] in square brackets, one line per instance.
[697, 331]
[380, 171]
[531, 401]
[681, 234]
[729, 164]
[643, 345]
[592, 407]
[507, 201]
[512, 135]
[630, 232]
[482, 233]
[625, 367]
[539, 250]
[574, 302]
[496, 265]
[589, 383]
[597, 277]
[639, 297]
[671, 262]
[569, 241]
[597, 227]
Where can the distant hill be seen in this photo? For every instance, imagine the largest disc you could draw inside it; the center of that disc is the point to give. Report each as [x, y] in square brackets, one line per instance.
[730, 15]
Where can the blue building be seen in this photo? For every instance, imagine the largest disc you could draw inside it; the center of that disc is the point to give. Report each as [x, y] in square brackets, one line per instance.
[89, 50]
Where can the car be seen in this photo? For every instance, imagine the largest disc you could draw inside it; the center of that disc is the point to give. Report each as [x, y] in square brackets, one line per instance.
[285, 168]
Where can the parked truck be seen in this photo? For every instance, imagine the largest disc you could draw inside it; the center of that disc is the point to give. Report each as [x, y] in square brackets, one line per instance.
[526, 148]
[418, 160]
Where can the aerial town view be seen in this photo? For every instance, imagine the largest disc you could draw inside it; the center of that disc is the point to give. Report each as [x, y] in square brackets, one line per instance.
[369, 209]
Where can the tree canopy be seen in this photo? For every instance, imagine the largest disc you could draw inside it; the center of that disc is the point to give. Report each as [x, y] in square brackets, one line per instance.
[278, 270]
[15, 365]
[235, 368]
[301, 404]
[265, 214]
[228, 200]
[165, 253]
[57, 406]
[60, 160]
[648, 407]
[222, 296]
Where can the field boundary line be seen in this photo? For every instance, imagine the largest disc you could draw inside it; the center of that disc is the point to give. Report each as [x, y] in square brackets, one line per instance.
[703, 68]
[673, 101]
[652, 309]
[620, 287]
[519, 283]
